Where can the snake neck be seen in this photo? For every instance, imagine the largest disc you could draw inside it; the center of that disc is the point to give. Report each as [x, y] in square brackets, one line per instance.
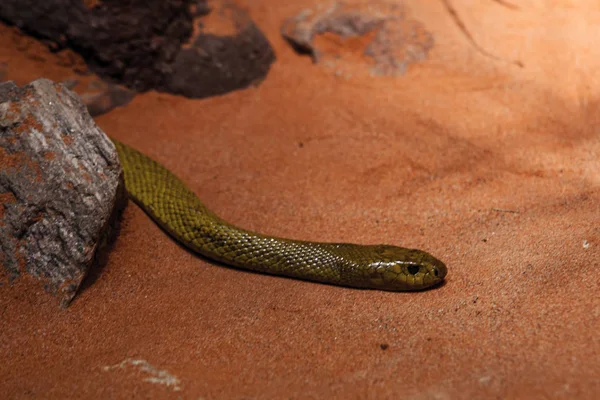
[221, 241]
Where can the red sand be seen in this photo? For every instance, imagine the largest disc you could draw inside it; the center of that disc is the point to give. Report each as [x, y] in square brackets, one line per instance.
[435, 159]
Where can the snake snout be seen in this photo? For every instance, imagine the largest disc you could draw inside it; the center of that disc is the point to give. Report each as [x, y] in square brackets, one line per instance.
[397, 268]
[439, 269]
[434, 271]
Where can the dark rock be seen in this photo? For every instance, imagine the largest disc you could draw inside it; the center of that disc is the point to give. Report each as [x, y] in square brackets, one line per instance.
[396, 43]
[148, 44]
[61, 186]
[133, 42]
[221, 60]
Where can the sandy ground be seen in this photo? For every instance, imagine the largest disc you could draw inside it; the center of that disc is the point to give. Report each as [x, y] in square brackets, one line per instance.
[491, 164]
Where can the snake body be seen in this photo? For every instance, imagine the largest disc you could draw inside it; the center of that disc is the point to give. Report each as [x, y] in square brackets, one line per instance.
[179, 212]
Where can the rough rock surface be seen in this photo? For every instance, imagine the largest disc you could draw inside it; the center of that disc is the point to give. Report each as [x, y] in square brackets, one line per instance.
[132, 42]
[391, 40]
[60, 186]
[227, 52]
[148, 44]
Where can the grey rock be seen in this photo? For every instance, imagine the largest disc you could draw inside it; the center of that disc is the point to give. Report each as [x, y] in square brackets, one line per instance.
[61, 186]
[398, 41]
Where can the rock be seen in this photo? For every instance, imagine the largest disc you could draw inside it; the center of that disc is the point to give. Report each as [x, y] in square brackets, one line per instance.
[61, 186]
[149, 44]
[392, 41]
[132, 42]
[228, 52]
[100, 96]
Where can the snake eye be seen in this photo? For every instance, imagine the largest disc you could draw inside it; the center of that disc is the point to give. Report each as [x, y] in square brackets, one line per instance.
[413, 269]
[436, 272]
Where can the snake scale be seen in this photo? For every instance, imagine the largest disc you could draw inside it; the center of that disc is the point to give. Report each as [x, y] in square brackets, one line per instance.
[178, 211]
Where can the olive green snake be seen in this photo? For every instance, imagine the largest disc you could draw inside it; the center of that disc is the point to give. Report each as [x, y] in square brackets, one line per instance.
[172, 205]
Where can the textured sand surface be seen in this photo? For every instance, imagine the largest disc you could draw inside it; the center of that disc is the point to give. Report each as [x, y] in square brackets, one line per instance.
[493, 165]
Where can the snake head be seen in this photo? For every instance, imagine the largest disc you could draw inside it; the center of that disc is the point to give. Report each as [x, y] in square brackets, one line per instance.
[399, 269]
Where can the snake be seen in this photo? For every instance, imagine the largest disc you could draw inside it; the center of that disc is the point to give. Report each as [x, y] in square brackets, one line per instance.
[179, 212]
